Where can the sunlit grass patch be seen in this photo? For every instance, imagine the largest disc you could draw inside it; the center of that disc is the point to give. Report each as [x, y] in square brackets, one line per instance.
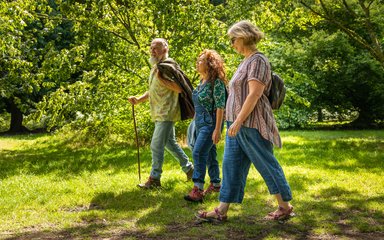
[52, 188]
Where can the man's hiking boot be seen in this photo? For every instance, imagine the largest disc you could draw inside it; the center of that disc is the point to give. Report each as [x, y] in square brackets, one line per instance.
[196, 195]
[151, 183]
[212, 189]
[190, 174]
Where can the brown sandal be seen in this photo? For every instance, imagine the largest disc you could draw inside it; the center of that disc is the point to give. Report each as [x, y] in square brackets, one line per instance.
[284, 214]
[218, 219]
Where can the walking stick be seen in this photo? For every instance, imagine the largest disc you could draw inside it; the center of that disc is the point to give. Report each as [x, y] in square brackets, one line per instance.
[137, 141]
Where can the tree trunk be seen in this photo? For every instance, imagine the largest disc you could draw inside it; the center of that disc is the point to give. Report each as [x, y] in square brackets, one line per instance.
[16, 119]
[320, 117]
[364, 120]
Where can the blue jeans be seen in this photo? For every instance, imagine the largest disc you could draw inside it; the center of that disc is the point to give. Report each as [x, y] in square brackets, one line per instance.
[164, 137]
[247, 147]
[205, 155]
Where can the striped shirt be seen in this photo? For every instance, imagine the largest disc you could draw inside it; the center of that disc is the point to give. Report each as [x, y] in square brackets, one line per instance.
[254, 68]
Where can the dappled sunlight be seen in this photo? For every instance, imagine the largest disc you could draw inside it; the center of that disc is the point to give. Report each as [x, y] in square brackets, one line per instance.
[335, 203]
[79, 89]
[343, 153]
[293, 140]
[301, 178]
[342, 163]
[144, 212]
[8, 145]
[336, 185]
[40, 156]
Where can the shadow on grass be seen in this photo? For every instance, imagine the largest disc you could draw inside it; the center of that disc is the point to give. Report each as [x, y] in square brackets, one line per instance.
[65, 161]
[342, 212]
[95, 230]
[59, 157]
[345, 214]
[348, 213]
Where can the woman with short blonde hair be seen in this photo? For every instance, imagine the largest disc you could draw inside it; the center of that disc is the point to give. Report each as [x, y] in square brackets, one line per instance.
[245, 30]
[251, 129]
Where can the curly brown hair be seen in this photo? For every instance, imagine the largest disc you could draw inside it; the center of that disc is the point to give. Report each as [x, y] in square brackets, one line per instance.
[215, 66]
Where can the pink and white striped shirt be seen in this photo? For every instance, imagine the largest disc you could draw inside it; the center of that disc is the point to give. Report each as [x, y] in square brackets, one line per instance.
[254, 68]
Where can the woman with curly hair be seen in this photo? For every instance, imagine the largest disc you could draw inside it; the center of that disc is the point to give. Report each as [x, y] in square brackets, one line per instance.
[209, 100]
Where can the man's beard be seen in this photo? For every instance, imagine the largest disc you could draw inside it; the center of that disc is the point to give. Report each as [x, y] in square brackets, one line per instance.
[153, 60]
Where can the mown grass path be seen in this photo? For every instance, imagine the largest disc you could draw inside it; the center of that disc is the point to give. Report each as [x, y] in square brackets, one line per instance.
[53, 188]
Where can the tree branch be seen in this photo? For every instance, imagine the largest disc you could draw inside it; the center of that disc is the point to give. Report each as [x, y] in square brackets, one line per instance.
[117, 35]
[325, 8]
[125, 69]
[369, 5]
[372, 34]
[349, 9]
[312, 10]
[126, 24]
[375, 51]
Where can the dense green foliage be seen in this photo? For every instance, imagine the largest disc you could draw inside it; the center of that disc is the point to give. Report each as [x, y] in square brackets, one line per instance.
[37, 55]
[52, 188]
[73, 64]
[344, 59]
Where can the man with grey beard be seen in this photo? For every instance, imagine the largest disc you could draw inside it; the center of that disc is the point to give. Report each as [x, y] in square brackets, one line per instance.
[163, 99]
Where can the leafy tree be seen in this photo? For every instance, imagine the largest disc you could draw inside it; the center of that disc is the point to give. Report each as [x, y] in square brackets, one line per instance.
[360, 20]
[77, 61]
[36, 59]
[13, 64]
[344, 78]
[120, 33]
[124, 31]
[326, 67]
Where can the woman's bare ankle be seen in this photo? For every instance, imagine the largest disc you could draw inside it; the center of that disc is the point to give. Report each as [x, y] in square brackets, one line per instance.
[285, 205]
[223, 208]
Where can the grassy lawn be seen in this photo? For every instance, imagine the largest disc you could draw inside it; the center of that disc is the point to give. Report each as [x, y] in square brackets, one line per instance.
[52, 188]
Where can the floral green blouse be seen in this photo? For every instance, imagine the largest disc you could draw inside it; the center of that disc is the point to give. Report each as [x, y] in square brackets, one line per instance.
[205, 95]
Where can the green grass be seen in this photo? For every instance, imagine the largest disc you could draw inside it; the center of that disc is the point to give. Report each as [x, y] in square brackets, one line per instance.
[53, 188]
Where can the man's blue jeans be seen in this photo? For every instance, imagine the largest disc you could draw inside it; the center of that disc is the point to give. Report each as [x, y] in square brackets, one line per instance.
[247, 147]
[164, 137]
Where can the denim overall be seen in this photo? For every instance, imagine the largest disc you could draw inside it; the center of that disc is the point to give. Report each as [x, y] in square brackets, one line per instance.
[204, 151]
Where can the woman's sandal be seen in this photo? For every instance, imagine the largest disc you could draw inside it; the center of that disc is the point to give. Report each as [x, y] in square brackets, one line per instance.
[217, 219]
[282, 215]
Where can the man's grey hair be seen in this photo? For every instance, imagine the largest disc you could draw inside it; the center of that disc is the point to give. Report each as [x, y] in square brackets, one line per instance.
[164, 42]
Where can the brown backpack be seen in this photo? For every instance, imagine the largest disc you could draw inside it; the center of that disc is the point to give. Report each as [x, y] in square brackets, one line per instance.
[171, 71]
